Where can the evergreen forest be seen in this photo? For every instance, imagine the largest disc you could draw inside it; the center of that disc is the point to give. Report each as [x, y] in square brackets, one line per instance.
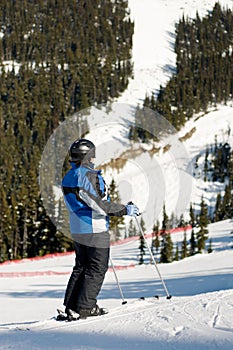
[203, 75]
[56, 58]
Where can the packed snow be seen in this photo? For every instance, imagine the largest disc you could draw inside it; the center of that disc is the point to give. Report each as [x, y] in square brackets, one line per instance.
[199, 314]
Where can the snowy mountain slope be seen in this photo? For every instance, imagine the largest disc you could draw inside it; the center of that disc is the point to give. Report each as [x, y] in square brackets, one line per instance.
[166, 177]
[153, 55]
[216, 124]
[157, 180]
[199, 315]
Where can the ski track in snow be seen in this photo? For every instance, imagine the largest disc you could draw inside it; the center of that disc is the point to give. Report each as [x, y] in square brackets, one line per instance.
[176, 321]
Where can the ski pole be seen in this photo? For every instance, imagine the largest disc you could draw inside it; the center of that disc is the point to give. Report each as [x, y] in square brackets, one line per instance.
[118, 283]
[153, 259]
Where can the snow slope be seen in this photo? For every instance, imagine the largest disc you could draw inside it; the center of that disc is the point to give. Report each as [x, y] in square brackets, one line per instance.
[153, 42]
[199, 314]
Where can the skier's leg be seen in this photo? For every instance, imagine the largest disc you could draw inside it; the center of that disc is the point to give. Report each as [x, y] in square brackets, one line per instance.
[94, 277]
[76, 278]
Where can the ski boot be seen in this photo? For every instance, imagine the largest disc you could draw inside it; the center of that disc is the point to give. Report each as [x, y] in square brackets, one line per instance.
[72, 315]
[68, 315]
[95, 311]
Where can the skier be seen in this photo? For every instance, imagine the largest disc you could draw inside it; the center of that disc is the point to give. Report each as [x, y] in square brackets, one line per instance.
[87, 200]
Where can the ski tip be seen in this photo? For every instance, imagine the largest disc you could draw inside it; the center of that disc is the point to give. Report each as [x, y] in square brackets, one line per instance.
[169, 297]
[124, 302]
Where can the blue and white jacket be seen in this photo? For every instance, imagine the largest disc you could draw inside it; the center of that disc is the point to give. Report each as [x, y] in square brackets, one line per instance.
[86, 197]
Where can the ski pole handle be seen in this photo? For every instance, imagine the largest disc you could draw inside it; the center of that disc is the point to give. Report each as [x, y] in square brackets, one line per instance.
[131, 203]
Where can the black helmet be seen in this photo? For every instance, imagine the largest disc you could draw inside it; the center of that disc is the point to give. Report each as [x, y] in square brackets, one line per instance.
[81, 149]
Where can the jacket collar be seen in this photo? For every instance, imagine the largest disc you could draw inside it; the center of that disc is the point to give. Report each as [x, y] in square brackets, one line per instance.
[88, 165]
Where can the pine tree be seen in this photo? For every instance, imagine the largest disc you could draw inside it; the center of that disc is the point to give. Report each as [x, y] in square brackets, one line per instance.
[202, 234]
[192, 216]
[166, 252]
[218, 205]
[176, 256]
[141, 250]
[155, 244]
[206, 167]
[142, 224]
[184, 248]
[193, 245]
[142, 244]
[165, 221]
[115, 221]
[230, 169]
[226, 207]
[5, 227]
[167, 249]
[192, 239]
[132, 229]
[210, 246]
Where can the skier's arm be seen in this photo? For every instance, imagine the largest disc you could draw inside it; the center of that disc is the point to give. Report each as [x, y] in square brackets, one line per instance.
[94, 195]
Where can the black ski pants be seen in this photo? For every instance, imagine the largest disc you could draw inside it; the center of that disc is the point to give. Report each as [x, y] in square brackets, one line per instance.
[91, 265]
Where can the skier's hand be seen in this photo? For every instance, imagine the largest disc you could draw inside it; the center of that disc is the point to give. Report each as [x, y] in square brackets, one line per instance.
[132, 210]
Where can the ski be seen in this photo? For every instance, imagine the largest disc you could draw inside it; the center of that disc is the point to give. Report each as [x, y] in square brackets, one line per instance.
[74, 316]
[156, 297]
[133, 307]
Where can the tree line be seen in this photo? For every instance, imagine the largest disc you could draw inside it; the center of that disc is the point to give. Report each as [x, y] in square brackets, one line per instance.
[162, 246]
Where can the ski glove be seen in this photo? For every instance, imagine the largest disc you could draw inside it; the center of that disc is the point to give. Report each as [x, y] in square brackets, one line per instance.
[132, 210]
